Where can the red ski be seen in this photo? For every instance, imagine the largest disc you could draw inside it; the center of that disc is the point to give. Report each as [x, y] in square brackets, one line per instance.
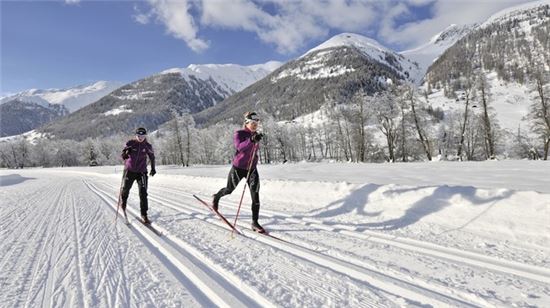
[218, 214]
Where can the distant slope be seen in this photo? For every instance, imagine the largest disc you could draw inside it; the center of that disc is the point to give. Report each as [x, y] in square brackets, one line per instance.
[331, 72]
[151, 101]
[426, 54]
[17, 116]
[48, 105]
[507, 50]
[72, 98]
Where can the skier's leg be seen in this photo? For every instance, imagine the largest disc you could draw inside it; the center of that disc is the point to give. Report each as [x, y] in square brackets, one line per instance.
[233, 180]
[143, 204]
[254, 186]
[128, 182]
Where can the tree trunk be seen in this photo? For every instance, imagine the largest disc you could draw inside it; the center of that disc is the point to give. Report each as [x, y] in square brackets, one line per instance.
[489, 140]
[188, 145]
[423, 140]
[544, 114]
[463, 129]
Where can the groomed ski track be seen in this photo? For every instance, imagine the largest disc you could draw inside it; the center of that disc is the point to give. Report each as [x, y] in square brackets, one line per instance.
[392, 286]
[199, 262]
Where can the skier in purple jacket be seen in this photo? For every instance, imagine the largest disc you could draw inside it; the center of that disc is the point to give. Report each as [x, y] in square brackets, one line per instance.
[246, 143]
[135, 155]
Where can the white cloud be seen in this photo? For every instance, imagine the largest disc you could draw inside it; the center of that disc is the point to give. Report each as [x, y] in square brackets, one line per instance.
[291, 24]
[178, 21]
[72, 1]
[287, 24]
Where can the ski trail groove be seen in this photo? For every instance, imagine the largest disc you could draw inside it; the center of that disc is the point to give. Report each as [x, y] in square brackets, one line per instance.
[193, 265]
[78, 261]
[452, 254]
[37, 274]
[408, 290]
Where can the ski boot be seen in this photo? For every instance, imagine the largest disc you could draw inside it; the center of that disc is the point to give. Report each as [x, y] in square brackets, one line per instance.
[257, 228]
[145, 219]
[215, 202]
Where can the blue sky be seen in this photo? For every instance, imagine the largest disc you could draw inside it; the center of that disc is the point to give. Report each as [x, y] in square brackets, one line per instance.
[56, 44]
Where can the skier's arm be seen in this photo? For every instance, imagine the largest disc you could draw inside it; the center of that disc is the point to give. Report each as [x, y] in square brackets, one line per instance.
[151, 155]
[126, 151]
[241, 143]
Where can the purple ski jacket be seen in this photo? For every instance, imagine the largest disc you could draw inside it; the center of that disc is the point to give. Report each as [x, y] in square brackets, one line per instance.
[244, 147]
[138, 152]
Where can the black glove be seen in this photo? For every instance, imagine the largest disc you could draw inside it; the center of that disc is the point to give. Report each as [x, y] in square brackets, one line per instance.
[256, 137]
[153, 172]
[125, 155]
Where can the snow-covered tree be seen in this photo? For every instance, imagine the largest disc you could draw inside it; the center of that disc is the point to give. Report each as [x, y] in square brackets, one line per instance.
[539, 111]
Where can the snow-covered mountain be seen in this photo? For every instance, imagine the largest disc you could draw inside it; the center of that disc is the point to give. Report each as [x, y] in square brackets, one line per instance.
[20, 116]
[72, 98]
[27, 110]
[521, 11]
[426, 54]
[331, 72]
[370, 48]
[152, 101]
[508, 50]
[230, 77]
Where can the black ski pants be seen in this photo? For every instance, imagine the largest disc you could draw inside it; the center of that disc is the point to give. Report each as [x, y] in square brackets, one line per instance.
[141, 179]
[233, 179]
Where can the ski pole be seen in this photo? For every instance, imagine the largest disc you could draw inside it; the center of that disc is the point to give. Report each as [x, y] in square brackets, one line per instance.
[119, 194]
[244, 188]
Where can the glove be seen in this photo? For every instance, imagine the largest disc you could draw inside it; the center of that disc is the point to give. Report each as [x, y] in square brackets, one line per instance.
[125, 155]
[256, 137]
[153, 172]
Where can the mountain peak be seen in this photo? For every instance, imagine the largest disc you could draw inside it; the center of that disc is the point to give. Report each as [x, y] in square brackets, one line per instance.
[451, 34]
[231, 77]
[352, 40]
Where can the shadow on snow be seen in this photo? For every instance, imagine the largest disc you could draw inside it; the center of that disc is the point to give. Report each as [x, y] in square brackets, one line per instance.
[12, 179]
[438, 200]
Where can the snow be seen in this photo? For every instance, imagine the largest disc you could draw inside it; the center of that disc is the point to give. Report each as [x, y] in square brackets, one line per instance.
[322, 72]
[117, 111]
[315, 119]
[135, 94]
[514, 10]
[231, 77]
[509, 100]
[417, 234]
[426, 54]
[72, 98]
[32, 136]
[367, 46]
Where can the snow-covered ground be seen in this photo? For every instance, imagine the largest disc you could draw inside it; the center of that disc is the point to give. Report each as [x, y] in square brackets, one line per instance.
[509, 101]
[348, 235]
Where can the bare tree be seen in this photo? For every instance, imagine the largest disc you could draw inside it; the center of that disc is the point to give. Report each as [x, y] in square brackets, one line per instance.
[177, 138]
[489, 136]
[421, 135]
[360, 102]
[387, 113]
[469, 91]
[540, 110]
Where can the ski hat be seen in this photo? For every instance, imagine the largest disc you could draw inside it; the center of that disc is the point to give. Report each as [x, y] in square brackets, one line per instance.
[141, 131]
[251, 116]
